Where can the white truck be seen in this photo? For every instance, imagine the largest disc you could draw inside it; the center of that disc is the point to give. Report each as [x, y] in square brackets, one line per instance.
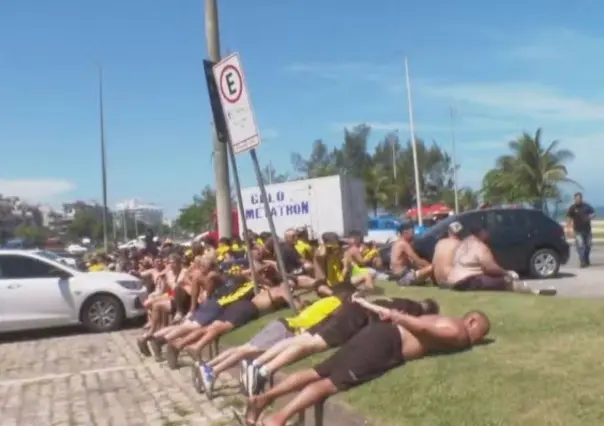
[327, 204]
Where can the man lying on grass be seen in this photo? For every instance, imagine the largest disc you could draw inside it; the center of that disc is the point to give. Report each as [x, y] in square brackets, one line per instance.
[377, 348]
[276, 331]
[334, 332]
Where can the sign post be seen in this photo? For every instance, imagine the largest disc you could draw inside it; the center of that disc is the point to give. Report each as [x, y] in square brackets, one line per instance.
[244, 136]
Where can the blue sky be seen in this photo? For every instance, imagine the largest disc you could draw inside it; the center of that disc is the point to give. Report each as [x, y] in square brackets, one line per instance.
[313, 67]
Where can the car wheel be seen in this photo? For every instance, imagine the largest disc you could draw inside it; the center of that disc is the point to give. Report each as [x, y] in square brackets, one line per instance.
[545, 263]
[103, 313]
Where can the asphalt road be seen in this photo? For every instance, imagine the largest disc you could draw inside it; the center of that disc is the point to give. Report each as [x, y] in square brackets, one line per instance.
[577, 282]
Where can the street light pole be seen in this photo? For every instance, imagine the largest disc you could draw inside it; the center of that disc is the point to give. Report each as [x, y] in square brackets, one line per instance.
[418, 192]
[221, 159]
[393, 140]
[103, 158]
[454, 158]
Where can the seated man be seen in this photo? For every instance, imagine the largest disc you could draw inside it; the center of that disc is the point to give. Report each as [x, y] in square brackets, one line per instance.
[276, 331]
[475, 268]
[331, 272]
[444, 253]
[406, 265]
[334, 332]
[360, 271]
[376, 349]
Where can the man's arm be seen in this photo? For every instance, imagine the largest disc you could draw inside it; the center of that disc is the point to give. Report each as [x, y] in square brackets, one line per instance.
[443, 330]
[591, 213]
[489, 265]
[355, 256]
[380, 310]
[413, 256]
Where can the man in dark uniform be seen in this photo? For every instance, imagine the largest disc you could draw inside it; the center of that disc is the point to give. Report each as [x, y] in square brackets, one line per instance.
[578, 222]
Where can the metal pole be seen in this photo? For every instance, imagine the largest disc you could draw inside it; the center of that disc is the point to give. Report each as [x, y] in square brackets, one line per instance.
[103, 159]
[270, 173]
[241, 210]
[418, 193]
[271, 224]
[393, 146]
[454, 157]
[125, 223]
[221, 162]
[135, 223]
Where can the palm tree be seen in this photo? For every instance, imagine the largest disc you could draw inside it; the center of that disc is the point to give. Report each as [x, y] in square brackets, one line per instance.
[532, 172]
[378, 188]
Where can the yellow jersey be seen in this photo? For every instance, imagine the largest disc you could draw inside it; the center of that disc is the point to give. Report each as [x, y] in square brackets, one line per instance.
[304, 249]
[369, 255]
[313, 315]
[97, 267]
[237, 248]
[240, 293]
[221, 251]
[335, 269]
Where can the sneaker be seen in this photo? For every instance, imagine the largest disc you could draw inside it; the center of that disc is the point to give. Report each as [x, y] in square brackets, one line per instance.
[251, 374]
[207, 376]
[197, 375]
[549, 291]
[156, 346]
[256, 381]
[143, 347]
[407, 279]
[172, 357]
[243, 366]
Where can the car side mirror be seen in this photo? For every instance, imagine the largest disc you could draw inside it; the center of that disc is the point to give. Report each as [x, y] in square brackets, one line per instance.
[59, 273]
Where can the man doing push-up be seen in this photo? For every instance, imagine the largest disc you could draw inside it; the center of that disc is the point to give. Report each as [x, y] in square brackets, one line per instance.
[376, 349]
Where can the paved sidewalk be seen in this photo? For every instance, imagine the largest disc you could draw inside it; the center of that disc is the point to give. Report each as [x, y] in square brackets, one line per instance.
[99, 380]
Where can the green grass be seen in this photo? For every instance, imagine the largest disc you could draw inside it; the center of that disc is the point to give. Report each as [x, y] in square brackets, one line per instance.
[543, 368]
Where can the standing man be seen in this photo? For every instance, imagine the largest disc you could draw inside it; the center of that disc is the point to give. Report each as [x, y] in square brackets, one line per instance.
[579, 215]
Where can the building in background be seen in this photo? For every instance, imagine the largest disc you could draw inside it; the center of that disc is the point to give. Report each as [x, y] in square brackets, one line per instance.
[14, 212]
[149, 214]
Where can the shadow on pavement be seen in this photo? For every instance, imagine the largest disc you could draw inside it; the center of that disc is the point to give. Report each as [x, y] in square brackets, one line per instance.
[20, 336]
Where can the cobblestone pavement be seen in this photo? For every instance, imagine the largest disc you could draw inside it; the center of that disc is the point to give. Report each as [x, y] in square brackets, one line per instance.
[101, 380]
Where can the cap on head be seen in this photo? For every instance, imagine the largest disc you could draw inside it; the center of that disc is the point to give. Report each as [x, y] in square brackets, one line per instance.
[330, 239]
[430, 307]
[455, 227]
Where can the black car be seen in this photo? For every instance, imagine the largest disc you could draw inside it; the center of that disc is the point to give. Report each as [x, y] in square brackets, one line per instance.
[523, 240]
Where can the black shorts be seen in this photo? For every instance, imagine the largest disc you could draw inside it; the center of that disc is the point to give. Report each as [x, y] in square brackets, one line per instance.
[181, 302]
[376, 349]
[240, 313]
[343, 325]
[482, 283]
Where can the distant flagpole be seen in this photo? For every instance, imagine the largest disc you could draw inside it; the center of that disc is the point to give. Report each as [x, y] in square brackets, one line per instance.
[454, 155]
[103, 158]
[418, 193]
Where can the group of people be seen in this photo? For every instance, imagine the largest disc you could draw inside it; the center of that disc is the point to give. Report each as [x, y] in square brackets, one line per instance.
[197, 296]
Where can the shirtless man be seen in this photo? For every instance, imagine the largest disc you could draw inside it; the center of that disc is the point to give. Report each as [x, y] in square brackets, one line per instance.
[444, 253]
[475, 268]
[405, 263]
[334, 332]
[205, 280]
[376, 349]
[169, 281]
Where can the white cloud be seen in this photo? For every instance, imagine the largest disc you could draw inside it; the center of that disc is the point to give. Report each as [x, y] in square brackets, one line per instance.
[382, 126]
[553, 44]
[269, 133]
[522, 100]
[35, 190]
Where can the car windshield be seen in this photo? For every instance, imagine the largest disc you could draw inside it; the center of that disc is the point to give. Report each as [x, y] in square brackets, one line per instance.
[51, 256]
[438, 229]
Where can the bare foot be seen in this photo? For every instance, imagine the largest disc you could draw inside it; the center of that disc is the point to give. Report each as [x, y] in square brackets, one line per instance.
[253, 411]
[273, 421]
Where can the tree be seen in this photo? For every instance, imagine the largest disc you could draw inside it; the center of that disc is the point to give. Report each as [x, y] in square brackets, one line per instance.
[85, 224]
[270, 175]
[34, 234]
[532, 172]
[199, 215]
[321, 162]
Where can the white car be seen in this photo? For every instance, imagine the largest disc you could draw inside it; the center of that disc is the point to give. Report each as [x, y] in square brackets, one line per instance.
[37, 291]
[76, 249]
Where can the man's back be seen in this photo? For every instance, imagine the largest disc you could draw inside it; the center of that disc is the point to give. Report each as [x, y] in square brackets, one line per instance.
[442, 261]
[466, 260]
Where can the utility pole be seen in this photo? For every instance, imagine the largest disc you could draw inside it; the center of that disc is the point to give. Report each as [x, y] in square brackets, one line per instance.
[454, 158]
[393, 140]
[103, 159]
[221, 159]
[418, 192]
